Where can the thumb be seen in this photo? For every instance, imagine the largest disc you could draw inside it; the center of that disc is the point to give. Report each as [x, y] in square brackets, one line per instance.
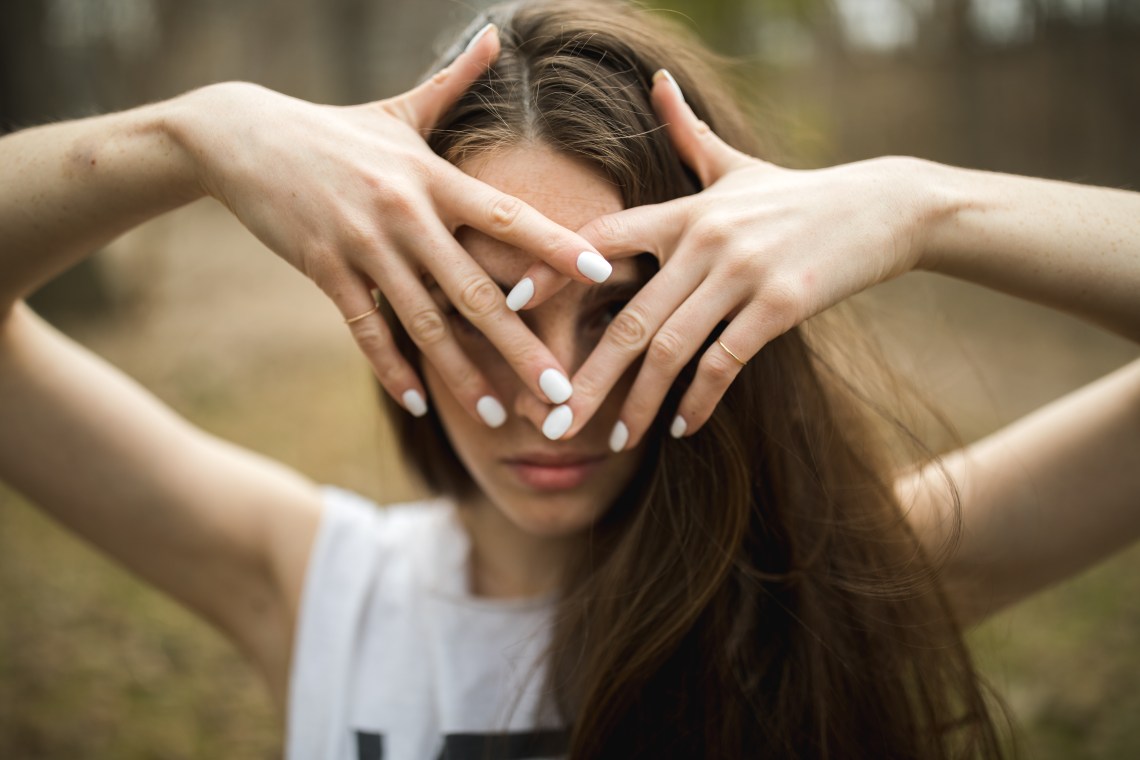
[699, 147]
[422, 106]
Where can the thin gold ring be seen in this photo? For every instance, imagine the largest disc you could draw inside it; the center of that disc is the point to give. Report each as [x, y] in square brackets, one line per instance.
[359, 317]
[734, 356]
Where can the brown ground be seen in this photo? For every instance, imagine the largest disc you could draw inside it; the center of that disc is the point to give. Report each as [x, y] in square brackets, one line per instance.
[94, 665]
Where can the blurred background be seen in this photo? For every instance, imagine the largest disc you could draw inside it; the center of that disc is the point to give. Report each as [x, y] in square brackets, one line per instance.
[95, 665]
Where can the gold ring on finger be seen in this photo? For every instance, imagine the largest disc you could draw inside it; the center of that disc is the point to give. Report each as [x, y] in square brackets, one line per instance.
[734, 356]
[359, 317]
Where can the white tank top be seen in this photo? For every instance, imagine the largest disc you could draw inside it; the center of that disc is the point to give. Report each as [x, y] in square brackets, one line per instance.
[394, 659]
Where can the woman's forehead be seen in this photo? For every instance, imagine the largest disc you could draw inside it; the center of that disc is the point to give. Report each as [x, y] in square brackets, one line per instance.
[564, 190]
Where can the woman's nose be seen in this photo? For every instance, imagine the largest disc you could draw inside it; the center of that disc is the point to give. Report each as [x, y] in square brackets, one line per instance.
[566, 347]
[563, 345]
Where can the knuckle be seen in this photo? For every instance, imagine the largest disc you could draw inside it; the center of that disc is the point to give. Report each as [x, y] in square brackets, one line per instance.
[504, 212]
[466, 383]
[395, 202]
[712, 232]
[719, 369]
[522, 355]
[608, 229]
[666, 350]
[357, 237]
[427, 328]
[587, 389]
[372, 339]
[322, 266]
[390, 373]
[629, 328]
[638, 408]
[782, 302]
[739, 266]
[479, 296]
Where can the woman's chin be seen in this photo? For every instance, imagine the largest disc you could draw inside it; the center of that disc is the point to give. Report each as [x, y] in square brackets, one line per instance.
[551, 515]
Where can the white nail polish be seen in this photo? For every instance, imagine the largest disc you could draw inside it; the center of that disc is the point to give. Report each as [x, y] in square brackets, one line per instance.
[594, 266]
[669, 78]
[491, 411]
[555, 385]
[557, 422]
[619, 437]
[478, 36]
[520, 294]
[677, 429]
[415, 403]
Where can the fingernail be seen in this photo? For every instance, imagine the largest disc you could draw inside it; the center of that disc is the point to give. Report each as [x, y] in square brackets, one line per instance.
[557, 422]
[664, 74]
[619, 437]
[478, 36]
[415, 403]
[594, 266]
[520, 294]
[555, 385]
[677, 429]
[491, 411]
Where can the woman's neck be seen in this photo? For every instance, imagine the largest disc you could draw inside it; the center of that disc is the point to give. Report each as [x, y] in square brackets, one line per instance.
[505, 561]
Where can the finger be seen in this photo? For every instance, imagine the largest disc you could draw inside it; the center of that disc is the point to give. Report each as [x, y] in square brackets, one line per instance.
[464, 200]
[672, 347]
[699, 147]
[642, 229]
[479, 300]
[355, 302]
[628, 336]
[539, 283]
[428, 327]
[722, 362]
[422, 106]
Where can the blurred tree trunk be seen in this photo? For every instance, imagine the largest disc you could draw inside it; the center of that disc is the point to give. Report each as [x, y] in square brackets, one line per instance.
[33, 90]
[351, 35]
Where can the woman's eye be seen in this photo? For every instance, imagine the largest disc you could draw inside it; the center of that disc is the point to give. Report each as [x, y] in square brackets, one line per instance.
[610, 311]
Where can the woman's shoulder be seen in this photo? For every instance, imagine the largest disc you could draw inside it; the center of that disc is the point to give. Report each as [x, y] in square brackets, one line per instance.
[352, 516]
[418, 544]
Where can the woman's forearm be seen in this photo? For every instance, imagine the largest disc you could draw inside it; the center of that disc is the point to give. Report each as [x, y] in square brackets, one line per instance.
[68, 188]
[1041, 499]
[1073, 247]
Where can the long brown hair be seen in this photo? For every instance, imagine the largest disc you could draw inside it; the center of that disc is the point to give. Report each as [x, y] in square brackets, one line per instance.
[756, 590]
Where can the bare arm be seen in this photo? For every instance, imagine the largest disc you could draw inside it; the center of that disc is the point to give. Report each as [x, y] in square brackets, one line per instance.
[1058, 490]
[1042, 499]
[222, 530]
[66, 189]
[1073, 247]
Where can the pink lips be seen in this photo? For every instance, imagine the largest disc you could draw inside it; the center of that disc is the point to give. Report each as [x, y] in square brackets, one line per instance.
[547, 472]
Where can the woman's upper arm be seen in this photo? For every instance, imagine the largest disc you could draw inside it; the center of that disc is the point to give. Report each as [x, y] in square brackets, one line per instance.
[223, 530]
[1042, 499]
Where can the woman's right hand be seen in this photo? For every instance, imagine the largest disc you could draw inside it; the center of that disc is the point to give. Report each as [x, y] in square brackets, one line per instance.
[354, 198]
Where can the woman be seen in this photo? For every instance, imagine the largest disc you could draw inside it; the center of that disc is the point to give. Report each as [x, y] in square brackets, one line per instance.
[748, 582]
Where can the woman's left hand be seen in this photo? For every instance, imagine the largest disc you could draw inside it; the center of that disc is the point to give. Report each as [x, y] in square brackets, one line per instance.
[761, 247]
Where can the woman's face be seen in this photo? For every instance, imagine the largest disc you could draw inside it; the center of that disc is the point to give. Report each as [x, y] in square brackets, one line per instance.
[507, 463]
